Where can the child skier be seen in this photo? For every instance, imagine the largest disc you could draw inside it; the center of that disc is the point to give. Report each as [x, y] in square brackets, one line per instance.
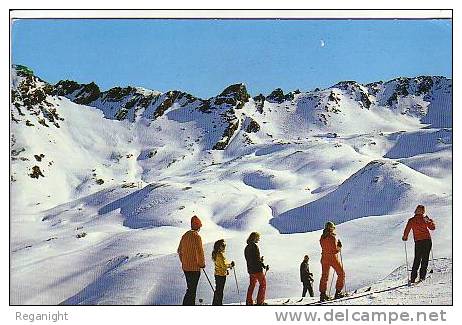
[221, 270]
[255, 268]
[306, 277]
[422, 241]
[330, 248]
[191, 255]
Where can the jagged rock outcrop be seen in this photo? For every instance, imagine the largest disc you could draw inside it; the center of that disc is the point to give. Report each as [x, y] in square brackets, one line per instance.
[252, 126]
[234, 95]
[170, 98]
[276, 96]
[356, 91]
[79, 94]
[32, 95]
[232, 98]
[259, 102]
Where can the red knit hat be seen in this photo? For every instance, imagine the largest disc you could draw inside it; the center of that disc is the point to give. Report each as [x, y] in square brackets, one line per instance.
[195, 223]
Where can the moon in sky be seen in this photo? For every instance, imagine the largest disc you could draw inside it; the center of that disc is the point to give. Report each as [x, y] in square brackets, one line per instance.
[323, 43]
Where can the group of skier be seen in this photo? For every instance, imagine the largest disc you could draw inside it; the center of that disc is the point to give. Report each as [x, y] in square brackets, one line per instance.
[191, 253]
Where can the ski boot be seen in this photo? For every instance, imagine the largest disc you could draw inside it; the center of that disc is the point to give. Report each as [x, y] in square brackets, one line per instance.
[323, 297]
[339, 295]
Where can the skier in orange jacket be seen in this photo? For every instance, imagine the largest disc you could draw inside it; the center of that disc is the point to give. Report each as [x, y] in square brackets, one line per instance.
[192, 259]
[330, 248]
[423, 241]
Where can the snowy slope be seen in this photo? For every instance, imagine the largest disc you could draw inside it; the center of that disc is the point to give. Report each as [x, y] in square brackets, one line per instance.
[393, 290]
[103, 183]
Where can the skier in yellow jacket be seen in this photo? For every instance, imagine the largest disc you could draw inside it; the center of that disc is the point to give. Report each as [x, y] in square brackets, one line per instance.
[191, 255]
[221, 270]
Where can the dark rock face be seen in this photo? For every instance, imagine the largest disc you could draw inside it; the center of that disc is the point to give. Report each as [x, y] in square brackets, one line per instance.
[36, 172]
[253, 127]
[289, 96]
[39, 157]
[205, 107]
[234, 95]
[333, 97]
[33, 95]
[276, 96]
[65, 87]
[171, 96]
[332, 105]
[122, 113]
[259, 102]
[401, 90]
[82, 94]
[227, 135]
[88, 94]
[116, 94]
[355, 89]
[145, 101]
[365, 100]
[425, 85]
[374, 87]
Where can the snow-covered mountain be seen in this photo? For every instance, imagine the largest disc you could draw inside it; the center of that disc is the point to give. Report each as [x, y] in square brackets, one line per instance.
[103, 183]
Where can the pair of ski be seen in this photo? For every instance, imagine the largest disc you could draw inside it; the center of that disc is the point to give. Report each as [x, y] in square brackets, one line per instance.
[411, 284]
[288, 301]
[365, 293]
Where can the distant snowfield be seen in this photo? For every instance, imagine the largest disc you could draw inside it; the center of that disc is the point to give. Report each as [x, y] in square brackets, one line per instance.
[74, 241]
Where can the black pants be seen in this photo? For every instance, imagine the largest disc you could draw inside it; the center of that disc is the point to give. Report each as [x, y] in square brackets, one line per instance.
[421, 255]
[219, 287]
[307, 286]
[192, 278]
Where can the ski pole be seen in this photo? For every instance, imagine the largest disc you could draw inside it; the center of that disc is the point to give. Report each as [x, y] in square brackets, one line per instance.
[407, 265]
[341, 261]
[433, 261]
[237, 286]
[211, 286]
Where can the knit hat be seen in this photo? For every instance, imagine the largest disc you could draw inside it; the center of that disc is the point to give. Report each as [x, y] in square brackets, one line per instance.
[195, 223]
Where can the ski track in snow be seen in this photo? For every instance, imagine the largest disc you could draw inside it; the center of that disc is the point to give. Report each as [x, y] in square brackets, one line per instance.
[103, 223]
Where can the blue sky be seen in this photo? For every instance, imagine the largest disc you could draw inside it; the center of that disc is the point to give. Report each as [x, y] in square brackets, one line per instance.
[202, 57]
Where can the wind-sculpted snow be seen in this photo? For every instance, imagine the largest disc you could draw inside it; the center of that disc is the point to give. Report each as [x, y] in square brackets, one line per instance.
[432, 164]
[380, 188]
[268, 181]
[269, 150]
[408, 144]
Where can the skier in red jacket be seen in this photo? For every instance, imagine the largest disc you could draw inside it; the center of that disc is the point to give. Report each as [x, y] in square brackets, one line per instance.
[423, 241]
